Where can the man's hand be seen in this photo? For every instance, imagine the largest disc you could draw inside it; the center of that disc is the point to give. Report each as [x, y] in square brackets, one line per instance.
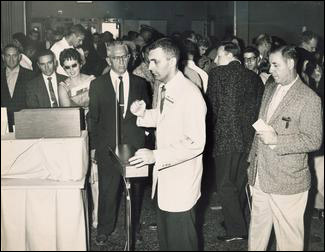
[142, 157]
[138, 108]
[268, 137]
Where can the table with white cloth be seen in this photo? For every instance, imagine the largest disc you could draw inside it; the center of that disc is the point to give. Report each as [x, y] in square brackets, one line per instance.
[43, 203]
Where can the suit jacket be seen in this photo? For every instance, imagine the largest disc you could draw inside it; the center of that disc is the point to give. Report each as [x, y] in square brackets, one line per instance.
[18, 100]
[36, 92]
[234, 95]
[298, 123]
[180, 143]
[102, 114]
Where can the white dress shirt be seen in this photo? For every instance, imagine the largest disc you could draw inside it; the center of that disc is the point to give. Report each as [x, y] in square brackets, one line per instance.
[203, 75]
[12, 76]
[26, 62]
[126, 86]
[55, 87]
[278, 95]
[57, 48]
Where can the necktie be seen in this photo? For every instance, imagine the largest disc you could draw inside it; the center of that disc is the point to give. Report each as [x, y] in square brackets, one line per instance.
[162, 98]
[52, 94]
[121, 107]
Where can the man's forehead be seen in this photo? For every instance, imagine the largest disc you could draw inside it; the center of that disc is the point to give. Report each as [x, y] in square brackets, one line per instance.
[276, 57]
[45, 58]
[11, 50]
[157, 52]
[249, 54]
[119, 49]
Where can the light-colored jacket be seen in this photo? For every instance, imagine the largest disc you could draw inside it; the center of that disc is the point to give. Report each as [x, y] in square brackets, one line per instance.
[180, 143]
[298, 122]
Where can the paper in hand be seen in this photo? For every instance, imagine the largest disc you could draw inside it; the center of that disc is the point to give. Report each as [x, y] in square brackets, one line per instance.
[260, 125]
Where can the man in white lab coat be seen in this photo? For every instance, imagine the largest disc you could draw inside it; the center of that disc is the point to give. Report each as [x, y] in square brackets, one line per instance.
[180, 122]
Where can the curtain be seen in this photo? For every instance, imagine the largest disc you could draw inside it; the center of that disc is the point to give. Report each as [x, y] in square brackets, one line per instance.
[13, 19]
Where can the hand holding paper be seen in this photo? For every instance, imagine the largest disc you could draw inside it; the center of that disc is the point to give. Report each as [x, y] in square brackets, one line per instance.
[266, 133]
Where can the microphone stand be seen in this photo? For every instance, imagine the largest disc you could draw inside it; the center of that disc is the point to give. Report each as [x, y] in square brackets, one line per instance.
[120, 151]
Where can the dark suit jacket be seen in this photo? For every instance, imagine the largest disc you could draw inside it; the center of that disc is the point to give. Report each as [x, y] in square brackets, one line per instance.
[18, 100]
[233, 97]
[102, 114]
[36, 92]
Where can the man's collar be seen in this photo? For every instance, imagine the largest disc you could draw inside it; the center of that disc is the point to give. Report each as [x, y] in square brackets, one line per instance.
[14, 70]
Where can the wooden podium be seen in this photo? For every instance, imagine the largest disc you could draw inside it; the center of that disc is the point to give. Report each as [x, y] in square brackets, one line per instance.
[121, 155]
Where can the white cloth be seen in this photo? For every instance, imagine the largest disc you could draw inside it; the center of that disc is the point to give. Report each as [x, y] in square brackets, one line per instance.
[54, 84]
[126, 86]
[180, 142]
[12, 76]
[278, 95]
[285, 212]
[26, 62]
[319, 169]
[42, 215]
[57, 48]
[203, 75]
[93, 180]
[60, 159]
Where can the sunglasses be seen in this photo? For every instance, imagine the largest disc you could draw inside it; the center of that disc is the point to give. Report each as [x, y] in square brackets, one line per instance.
[70, 67]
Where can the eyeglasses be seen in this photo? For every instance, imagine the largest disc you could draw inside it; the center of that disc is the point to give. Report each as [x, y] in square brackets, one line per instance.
[118, 58]
[70, 67]
[251, 59]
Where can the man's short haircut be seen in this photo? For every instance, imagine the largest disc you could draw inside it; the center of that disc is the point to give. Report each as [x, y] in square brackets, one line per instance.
[190, 47]
[10, 46]
[232, 48]
[77, 29]
[114, 44]
[287, 52]
[263, 38]
[306, 36]
[69, 54]
[21, 37]
[251, 49]
[168, 46]
[45, 52]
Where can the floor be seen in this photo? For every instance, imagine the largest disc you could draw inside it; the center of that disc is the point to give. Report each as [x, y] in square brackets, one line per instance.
[209, 229]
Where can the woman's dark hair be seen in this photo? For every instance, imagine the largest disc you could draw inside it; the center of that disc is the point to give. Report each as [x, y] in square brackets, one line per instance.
[69, 54]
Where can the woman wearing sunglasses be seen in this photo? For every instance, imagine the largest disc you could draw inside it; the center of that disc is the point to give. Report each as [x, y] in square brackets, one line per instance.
[74, 90]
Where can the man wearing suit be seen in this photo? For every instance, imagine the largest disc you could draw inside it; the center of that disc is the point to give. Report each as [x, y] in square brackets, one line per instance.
[42, 92]
[234, 94]
[14, 80]
[103, 92]
[180, 123]
[278, 173]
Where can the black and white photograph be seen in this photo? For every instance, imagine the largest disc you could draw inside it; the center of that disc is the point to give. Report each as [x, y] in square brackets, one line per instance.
[162, 126]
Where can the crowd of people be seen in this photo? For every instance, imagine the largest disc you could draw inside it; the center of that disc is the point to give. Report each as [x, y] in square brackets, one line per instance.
[183, 99]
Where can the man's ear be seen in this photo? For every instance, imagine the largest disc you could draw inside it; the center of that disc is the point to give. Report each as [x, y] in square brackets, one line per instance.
[291, 64]
[108, 60]
[173, 61]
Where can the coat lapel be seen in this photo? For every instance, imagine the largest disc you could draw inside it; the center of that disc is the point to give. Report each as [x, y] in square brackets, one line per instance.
[43, 95]
[131, 97]
[290, 96]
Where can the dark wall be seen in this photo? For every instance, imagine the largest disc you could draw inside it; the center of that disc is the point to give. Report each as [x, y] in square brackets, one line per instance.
[281, 18]
[178, 14]
[285, 18]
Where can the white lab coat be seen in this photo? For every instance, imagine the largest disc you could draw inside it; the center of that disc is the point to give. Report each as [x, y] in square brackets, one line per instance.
[180, 143]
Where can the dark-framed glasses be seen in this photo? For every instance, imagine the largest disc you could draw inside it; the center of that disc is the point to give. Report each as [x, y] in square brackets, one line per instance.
[70, 67]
